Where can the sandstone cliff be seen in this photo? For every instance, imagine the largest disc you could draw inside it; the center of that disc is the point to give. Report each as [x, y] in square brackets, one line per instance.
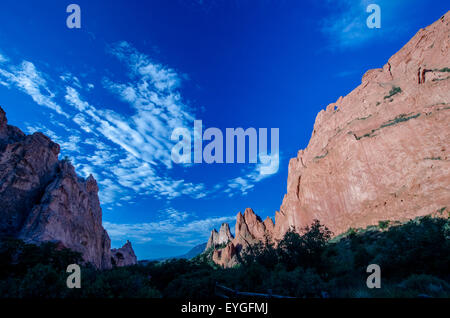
[379, 153]
[42, 198]
[123, 256]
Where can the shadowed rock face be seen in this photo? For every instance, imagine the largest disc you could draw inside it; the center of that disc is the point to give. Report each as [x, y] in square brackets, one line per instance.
[379, 153]
[123, 256]
[225, 257]
[43, 199]
[27, 165]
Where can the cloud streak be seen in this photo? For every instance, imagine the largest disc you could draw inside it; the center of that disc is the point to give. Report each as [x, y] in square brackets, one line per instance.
[128, 155]
[170, 230]
[26, 78]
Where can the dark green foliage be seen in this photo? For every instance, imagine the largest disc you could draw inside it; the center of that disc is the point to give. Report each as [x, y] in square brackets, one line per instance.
[28, 270]
[122, 282]
[304, 250]
[321, 156]
[399, 119]
[383, 224]
[262, 253]
[395, 90]
[414, 258]
[16, 257]
[441, 210]
[338, 267]
[431, 285]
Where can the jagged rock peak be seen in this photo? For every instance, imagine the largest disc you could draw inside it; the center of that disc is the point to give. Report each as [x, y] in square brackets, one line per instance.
[250, 227]
[91, 184]
[123, 256]
[218, 238]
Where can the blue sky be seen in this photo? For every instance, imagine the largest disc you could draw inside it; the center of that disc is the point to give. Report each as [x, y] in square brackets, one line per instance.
[111, 93]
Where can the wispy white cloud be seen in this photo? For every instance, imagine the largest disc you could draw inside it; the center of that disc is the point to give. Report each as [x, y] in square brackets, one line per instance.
[144, 136]
[110, 191]
[170, 230]
[175, 215]
[72, 79]
[3, 58]
[245, 183]
[153, 94]
[26, 78]
[128, 155]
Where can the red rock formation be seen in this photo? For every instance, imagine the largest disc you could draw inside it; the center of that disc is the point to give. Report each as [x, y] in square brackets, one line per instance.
[383, 152]
[43, 199]
[379, 153]
[27, 166]
[225, 257]
[250, 229]
[222, 237]
[124, 256]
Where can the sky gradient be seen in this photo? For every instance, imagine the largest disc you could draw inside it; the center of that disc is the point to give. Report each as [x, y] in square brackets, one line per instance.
[112, 92]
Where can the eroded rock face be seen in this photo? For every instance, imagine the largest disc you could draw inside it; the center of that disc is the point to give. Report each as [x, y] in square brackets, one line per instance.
[218, 238]
[249, 229]
[43, 199]
[123, 256]
[379, 153]
[225, 257]
[382, 151]
[27, 165]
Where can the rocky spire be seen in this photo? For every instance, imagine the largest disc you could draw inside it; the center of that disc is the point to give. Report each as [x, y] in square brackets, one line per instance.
[218, 238]
[250, 229]
[123, 256]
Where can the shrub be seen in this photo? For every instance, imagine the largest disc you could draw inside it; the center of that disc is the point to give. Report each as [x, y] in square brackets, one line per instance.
[414, 258]
[383, 224]
[395, 90]
[426, 284]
